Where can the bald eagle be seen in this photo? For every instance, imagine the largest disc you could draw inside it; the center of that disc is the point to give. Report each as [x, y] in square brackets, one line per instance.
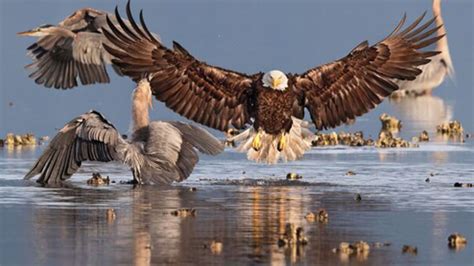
[270, 104]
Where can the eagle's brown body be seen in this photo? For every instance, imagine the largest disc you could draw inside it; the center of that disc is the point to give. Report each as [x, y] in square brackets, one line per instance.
[273, 109]
[219, 98]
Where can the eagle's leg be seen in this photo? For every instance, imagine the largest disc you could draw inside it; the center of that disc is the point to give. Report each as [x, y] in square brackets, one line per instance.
[257, 141]
[282, 141]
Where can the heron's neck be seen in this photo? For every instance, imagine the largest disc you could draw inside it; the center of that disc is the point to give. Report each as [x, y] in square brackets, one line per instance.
[140, 114]
[442, 44]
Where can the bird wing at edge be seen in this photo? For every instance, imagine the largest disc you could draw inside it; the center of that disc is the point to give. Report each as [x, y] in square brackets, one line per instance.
[59, 59]
[89, 137]
[209, 95]
[355, 84]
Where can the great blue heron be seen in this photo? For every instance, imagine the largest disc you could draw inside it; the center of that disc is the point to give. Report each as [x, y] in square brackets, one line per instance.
[158, 152]
[70, 50]
[435, 72]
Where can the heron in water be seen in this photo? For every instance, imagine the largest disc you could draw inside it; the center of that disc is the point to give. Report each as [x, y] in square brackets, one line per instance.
[435, 72]
[71, 50]
[158, 152]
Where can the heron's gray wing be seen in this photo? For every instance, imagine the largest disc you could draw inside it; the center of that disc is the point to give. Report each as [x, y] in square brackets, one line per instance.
[81, 19]
[89, 137]
[199, 138]
[59, 61]
[171, 150]
[161, 152]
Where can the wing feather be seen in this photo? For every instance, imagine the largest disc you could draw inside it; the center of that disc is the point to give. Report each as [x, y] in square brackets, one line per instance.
[89, 137]
[353, 85]
[72, 51]
[176, 76]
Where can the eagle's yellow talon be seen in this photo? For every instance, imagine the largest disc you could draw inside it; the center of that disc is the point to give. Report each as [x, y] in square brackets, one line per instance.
[282, 142]
[257, 143]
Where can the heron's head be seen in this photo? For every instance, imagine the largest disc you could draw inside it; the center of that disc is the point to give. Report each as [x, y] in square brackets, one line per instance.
[142, 93]
[275, 79]
[40, 31]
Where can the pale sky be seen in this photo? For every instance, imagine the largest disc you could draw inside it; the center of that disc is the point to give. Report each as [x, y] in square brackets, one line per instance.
[246, 36]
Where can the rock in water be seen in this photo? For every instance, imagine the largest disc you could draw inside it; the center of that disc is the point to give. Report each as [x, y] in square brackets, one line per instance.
[457, 240]
[410, 249]
[98, 180]
[184, 212]
[424, 137]
[293, 236]
[450, 128]
[390, 123]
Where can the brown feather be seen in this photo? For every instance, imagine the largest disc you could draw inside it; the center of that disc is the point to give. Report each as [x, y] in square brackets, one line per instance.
[358, 82]
[178, 77]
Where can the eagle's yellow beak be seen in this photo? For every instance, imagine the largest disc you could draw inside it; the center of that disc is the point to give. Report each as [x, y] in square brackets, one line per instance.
[276, 83]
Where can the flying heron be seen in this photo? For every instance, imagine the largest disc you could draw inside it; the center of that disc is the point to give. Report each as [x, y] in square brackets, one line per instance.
[158, 152]
[71, 50]
[435, 72]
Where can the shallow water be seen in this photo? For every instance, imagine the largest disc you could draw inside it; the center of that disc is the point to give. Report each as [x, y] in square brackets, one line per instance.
[246, 207]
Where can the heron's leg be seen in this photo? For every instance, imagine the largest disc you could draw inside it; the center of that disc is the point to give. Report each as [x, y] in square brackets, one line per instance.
[282, 141]
[257, 141]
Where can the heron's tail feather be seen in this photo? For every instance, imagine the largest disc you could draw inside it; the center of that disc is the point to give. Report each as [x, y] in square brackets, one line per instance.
[297, 143]
[199, 138]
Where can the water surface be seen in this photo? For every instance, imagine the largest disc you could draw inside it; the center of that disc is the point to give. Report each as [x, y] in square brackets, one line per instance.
[246, 206]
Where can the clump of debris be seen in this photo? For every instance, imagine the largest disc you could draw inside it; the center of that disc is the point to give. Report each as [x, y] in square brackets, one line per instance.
[458, 184]
[424, 136]
[18, 140]
[410, 249]
[229, 134]
[215, 247]
[387, 140]
[348, 139]
[390, 123]
[293, 176]
[293, 236]
[356, 248]
[450, 128]
[350, 173]
[98, 180]
[184, 212]
[321, 216]
[457, 241]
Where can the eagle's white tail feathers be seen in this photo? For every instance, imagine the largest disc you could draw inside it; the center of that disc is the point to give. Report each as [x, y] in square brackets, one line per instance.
[298, 141]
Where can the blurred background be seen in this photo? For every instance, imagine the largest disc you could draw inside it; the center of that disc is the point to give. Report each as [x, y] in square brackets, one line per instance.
[246, 36]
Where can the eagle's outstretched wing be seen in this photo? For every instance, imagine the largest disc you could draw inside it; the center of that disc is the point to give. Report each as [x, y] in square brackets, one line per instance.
[209, 95]
[89, 137]
[353, 85]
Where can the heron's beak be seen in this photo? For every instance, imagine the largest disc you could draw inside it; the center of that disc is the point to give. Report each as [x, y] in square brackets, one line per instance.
[27, 33]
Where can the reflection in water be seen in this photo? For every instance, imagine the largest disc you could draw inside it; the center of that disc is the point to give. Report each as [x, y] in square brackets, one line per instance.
[13, 151]
[425, 113]
[145, 233]
[422, 113]
[248, 220]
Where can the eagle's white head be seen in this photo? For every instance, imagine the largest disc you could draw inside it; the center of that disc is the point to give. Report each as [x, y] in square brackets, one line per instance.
[276, 80]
